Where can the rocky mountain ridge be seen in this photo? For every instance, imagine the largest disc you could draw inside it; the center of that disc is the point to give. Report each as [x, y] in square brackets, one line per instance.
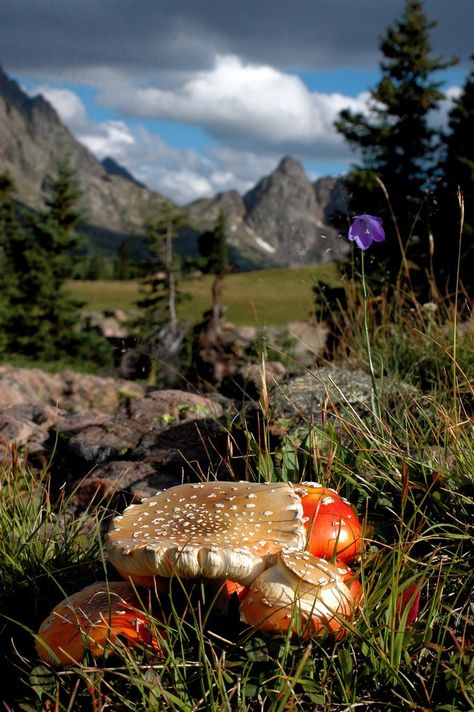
[281, 221]
[33, 140]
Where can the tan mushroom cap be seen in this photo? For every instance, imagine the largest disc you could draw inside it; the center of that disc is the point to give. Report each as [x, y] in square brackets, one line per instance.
[93, 619]
[298, 579]
[210, 530]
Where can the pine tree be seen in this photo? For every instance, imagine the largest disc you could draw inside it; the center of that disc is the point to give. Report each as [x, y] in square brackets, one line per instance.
[9, 226]
[458, 172]
[395, 141]
[212, 246]
[40, 317]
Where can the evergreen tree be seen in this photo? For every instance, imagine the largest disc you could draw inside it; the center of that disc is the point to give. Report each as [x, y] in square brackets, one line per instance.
[458, 172]
[9, 226]
[40, 317]
[395, 141]
[8, 219]
[212, 246]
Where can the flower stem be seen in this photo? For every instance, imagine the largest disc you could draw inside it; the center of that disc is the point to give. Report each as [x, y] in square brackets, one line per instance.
[456, 300]
[374, 396]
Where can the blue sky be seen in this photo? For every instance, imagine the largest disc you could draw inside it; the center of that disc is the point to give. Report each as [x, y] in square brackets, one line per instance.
[198, 96]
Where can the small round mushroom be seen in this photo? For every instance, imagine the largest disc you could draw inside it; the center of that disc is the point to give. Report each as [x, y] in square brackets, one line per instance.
[300, 591]
[93, 619]
[334, 529]
[212, 530]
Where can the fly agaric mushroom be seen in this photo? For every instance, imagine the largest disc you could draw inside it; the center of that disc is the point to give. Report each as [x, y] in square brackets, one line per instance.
[92, 619]
[334, 529]
[211, 530]
[300, 591]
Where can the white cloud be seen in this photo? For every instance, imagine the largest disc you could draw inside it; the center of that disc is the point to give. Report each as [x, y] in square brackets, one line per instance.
[440, 116]
[245, 105]
[183, 175]
[109, 138]
[106, 138]
[255, 113]
[68, 105]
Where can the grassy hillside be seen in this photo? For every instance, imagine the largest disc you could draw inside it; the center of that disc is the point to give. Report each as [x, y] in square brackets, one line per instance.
[274, 296]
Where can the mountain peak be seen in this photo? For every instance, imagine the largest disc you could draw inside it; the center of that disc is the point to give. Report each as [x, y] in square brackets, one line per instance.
[288, 185]
[291, 167]
[11, 91]
[283, 214]
[34, 140]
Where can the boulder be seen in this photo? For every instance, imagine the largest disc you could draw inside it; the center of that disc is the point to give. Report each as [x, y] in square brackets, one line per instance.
[161, 408]
[149, 443]
[308, 395]
[26, 426]
[135, 480]
[67, 390]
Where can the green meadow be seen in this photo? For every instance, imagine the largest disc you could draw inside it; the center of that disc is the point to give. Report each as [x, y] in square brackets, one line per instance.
[275, 296]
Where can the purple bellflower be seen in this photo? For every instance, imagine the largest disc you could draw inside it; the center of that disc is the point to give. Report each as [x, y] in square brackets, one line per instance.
[365, 230]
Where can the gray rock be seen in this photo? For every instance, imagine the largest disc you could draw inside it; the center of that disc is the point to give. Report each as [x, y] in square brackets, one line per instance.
[162, 408]
[67, 390]
[307, 395]
[138, 479]
[27, 426]
[91, 444]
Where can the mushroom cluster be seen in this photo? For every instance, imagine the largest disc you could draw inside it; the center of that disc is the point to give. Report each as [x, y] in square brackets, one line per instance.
[283, 550]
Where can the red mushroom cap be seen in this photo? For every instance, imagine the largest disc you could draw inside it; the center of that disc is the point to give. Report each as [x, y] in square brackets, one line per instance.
[93, 619]
[334, 529]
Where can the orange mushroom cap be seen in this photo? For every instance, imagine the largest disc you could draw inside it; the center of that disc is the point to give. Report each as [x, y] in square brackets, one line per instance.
[93, 619]
[334, 529]
[300, 591]
[213, 530]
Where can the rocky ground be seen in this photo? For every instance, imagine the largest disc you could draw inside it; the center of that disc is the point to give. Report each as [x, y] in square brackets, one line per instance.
[103, 436]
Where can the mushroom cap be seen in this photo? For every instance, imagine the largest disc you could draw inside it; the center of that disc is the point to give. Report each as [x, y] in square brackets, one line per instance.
[334, 529]
[210, 530]
[93, 619]
[301, 591]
